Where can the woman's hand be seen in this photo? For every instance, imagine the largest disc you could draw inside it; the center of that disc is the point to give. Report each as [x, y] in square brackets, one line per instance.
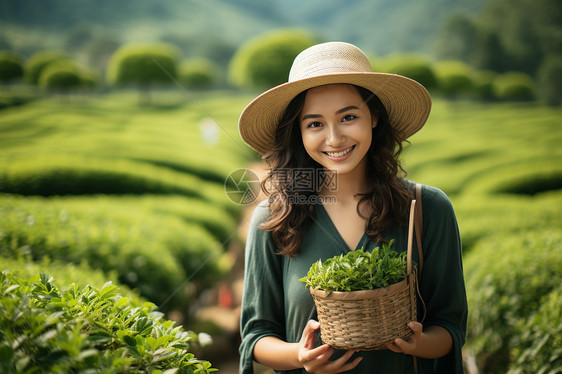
[408, 346]
[431, 342]
[317, 360]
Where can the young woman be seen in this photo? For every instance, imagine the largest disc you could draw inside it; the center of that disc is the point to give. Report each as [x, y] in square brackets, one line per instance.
[332, 137]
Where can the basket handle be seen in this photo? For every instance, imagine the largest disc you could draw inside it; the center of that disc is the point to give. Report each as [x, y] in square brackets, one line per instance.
[410, 237]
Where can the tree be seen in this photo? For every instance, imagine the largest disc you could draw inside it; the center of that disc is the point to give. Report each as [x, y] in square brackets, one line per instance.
[198, 73]
[454, 78]
[265, 61]
[11, 67]
[61, 76]
[456, 38]
[415, 66]
[550, 80]
[514, 86]
[489, 53]
[39, 61]
[143, 66]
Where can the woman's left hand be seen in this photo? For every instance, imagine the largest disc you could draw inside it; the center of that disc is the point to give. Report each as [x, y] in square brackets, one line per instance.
[408, 346]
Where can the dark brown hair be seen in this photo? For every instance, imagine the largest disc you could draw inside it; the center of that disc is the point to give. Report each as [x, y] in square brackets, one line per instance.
[387, 200]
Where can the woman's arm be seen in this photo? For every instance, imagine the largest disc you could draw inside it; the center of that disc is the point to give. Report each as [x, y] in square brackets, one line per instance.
[279, 355]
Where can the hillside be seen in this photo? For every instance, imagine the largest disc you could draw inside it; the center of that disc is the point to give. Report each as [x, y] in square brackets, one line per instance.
[380, 26]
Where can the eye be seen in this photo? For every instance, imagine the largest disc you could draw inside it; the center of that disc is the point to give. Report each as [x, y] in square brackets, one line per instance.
[313, 125]
[349, 117]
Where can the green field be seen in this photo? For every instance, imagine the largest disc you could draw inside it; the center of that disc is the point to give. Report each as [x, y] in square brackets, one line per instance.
[102, 187]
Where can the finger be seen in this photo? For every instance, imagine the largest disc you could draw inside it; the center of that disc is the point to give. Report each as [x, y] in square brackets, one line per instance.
[350, 366]
[341, 363]
[394, 348]
[403, 345]
[315, 362]
[319, 354]
[416, 327]
[309, 333]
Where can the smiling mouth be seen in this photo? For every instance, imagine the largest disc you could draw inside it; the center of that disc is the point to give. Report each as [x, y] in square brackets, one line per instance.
[340, 154]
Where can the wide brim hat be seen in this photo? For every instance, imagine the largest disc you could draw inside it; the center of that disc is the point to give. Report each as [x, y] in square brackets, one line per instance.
[406, 101]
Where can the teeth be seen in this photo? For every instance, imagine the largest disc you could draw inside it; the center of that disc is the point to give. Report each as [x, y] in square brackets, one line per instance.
[339, 154]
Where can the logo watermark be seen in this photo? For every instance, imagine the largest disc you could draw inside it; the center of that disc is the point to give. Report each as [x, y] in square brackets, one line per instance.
[302, 185]
[242, 186]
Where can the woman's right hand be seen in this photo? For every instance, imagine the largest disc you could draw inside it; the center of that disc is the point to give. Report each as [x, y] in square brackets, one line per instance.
[317, 360]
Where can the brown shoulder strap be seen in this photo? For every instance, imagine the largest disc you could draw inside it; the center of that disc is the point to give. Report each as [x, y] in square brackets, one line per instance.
[418, 222]
[419, 227]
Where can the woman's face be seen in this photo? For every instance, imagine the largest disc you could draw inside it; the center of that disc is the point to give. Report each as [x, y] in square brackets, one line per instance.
[336, 127]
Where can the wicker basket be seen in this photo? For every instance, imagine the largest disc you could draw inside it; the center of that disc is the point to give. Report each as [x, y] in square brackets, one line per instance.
[369, 319]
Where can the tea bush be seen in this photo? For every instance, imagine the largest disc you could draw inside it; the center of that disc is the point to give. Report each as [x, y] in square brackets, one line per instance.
[154, 252]
[526, 177]
[454, 78]
[78, 175]
[537, 346]
[514, 86]
[46, 329]
[64, 273]
[35, 64]
[199, 73]
[507, 277]
[11, 67]
[481, 217]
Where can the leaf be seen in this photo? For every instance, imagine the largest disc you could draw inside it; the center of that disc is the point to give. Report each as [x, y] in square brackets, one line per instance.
[108, 291]
[164, 356]
[129, 340]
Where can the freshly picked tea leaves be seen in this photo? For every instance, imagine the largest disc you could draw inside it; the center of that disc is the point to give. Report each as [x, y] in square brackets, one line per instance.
[358, 270]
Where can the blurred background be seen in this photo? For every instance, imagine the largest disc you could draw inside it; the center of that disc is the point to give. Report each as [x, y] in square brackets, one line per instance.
[118, 133]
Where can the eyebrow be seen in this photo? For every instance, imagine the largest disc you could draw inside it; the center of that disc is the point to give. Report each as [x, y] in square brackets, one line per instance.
[350, 107]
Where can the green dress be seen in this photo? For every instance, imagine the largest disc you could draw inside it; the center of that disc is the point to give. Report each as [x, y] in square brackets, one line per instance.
[276, 303]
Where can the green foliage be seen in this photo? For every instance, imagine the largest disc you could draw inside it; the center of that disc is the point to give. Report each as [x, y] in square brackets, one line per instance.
[456, 37]
[414, 66]
[483, 84]
[514, 86]
[526, 177]
[78, 175]
[11, 67]
[454, 78]
[35, 65]
[506, 279]
[485, 216]
[143, 65]
[507, 35]
[470, 147]
[149, 248]
[65, 273]
[550, 80]
[89, 329]
[60, 76]
[358, 270]
[199, 73]
[265, 61]
[537, 346]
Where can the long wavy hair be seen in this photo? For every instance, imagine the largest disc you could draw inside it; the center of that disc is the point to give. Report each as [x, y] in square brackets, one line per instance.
[387, 200]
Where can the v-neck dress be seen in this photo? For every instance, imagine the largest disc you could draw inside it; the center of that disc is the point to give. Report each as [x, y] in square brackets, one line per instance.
[275, 303]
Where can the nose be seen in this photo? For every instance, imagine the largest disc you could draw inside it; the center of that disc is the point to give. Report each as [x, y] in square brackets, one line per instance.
[335, 136]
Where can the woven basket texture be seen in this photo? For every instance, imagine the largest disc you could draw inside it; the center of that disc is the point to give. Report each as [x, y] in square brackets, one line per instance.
[366, 320]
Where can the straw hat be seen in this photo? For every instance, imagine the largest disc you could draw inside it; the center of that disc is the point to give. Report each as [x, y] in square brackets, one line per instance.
[407, 102]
